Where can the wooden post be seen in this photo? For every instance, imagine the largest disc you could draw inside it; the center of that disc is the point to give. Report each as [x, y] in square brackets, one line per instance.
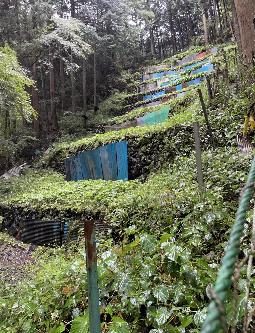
[92, 276]
[209, 88]
[200, 178]
[209, 129]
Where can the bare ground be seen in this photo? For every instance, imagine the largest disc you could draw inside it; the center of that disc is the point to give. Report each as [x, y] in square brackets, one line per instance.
[15, 257]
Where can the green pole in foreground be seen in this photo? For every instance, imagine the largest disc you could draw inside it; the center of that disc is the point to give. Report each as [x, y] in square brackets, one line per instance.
[92, 276]
[216, 317]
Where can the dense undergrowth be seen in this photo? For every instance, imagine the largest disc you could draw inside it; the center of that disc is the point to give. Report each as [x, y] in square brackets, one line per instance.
[167, 237]
[172, 242]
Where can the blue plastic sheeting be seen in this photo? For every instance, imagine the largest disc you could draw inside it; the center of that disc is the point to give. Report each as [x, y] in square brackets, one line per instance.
[108, 159]
[165, 84]
[122, 153]
[207, 68]
[108, 162]
[154, 118]
[158, 75]
[194, 82]
[170, 72]
[154, 96]
[179, 87]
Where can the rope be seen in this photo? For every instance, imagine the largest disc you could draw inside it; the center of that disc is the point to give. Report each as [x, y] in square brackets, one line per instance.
[214, 322]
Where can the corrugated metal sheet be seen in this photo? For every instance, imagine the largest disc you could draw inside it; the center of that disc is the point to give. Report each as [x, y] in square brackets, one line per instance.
[40, 232]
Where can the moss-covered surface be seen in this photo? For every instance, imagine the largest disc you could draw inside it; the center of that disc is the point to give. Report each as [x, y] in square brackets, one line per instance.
[145, 144]
[44, 194]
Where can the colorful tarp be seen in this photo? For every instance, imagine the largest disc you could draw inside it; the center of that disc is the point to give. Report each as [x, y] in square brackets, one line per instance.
[154, 95]
[109, 162]
[154, 118]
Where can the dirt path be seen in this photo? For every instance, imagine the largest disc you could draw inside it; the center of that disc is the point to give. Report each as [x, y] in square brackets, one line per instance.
[14, 259]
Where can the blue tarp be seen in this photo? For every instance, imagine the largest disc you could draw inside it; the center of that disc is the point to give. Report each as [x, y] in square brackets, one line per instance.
[154, 118]
[207, 68]
[154, 96]
[158, 75]
[179, 87]
[194, 82]
[109, 162]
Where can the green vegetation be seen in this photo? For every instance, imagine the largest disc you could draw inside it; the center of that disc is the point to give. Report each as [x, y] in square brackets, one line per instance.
[176, 105]
[173, 242]
[70, 77]
[14, 100]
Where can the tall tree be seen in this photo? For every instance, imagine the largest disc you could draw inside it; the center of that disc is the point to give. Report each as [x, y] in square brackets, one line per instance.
[245, 28]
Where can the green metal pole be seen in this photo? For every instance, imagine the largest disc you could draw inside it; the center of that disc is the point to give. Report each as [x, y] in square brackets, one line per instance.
[92, 276]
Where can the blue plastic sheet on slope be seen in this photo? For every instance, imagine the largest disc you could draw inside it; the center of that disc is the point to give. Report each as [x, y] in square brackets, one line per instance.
[171, 72]
[122, 157]
[194, 82]
[165, 84]
[154, 96]
[158, 75]
[154, 118]
[207, 68]
[92, 164]
[109, 162]
[179, 87]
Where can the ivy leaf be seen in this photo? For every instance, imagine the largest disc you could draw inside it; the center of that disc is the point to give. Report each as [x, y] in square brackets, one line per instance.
[200, 317]
[59, 329]
[161, 293]
[80, 324]
[162, 316]
[118, 325]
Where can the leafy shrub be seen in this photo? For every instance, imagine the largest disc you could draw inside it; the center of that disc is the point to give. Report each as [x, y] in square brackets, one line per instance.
[113, 105]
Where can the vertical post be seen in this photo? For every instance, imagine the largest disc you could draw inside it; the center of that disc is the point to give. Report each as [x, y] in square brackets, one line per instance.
[84, 91]
[200, 178]
[92, 276]
[95, 82]
[209, 88]
[209, 129]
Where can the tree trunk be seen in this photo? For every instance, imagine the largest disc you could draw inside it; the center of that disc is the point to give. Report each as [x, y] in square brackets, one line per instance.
[7, 124]
[17, 17]
[52, 115]
[35, 103]
[206, 35]
[72, 87]
[44, 114]
[152, 43]
[62, 85]
[95, 83]
[73, 8]
[245, 10]
[173, 34]
[84, 91]
[219, 16]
